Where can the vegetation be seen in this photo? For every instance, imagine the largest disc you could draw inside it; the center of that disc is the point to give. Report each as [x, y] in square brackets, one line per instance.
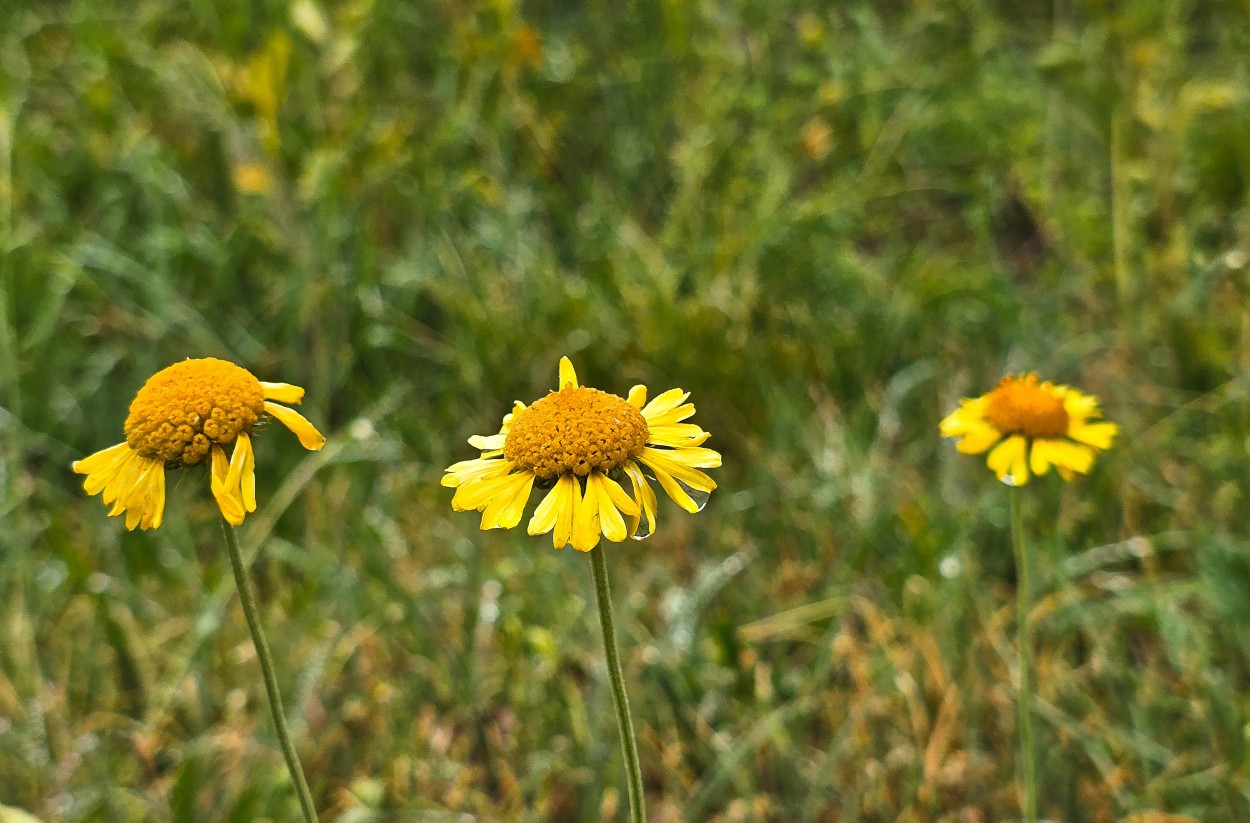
[827, 221]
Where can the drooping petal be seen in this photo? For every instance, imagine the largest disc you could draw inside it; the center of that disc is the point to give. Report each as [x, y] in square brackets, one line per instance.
[282, 393]
[586, 519]
[619, 497]
[567, 512]
[505, 510]
[1009, 461]
[221, 483]
[105, 457]
[247, 471]
[665, 459]
[307, 433]
[643, 524]
[568, 377]
[557, 502]
[610, 520]
[1064, 454]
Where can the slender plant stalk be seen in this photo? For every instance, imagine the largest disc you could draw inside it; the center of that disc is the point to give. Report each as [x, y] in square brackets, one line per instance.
[271, 678]
[1024, 660]
[629, 746]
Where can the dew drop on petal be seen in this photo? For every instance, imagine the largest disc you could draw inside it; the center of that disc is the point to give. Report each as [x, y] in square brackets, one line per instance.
[699, 497]
[644, 528]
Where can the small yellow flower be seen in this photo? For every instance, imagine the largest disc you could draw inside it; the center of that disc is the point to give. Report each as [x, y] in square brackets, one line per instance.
[185, 414]
[1029, 427]
[583, 443]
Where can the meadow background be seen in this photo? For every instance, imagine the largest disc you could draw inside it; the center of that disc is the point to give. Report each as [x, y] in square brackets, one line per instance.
[827, 221]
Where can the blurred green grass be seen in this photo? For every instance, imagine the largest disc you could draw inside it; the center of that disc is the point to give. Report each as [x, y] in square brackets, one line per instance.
[827, 222]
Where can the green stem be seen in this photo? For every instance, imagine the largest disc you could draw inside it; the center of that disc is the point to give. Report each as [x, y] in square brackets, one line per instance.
[271, 679]
[629, 747]
[1024, 646]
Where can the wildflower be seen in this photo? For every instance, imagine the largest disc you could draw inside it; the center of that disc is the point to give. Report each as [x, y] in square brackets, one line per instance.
[583, 443]
[1029, 426]
[185, 414]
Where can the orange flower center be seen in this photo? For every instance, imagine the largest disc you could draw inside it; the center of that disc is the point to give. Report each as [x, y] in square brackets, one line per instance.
[576, 431]
[1023, 406]
[184, 409]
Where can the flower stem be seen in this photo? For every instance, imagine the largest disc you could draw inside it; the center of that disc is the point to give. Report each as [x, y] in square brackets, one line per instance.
[629, 747]
[1024, 647]
[271, 679]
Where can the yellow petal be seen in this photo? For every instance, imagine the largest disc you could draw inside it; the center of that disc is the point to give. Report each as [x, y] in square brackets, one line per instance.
[1060, 453]
[665, 402]
[567, 512]
[977, 440]
[231, 508]
[488, 443]
[308, 435]
[676, 435]
[101, 459]
[156, 503]
[610, 520]
[282, 392]
[1008, 461]
[505, 510]
[969, 415]
[1098, 435]
[568, 377]
[666, 459]
[671, 418]
[247, 471]
[586, 520]
[144, 498]
[1079, 405]
[103, 466]
[617, 495]
[479, 494]
[467, 471]
[692, 456]
[643, 524]
[637, 397]
[558, 501]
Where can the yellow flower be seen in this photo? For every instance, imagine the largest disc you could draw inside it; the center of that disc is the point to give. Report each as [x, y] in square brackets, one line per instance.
[185, 414]
[1031, 426]
[583, 443]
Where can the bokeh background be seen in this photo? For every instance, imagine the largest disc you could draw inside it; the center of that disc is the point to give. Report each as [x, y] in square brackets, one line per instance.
[827, 221]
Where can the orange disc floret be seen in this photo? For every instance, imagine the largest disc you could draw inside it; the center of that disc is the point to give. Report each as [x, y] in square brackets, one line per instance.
[576, 430]
[184, 409]
[1020, 405]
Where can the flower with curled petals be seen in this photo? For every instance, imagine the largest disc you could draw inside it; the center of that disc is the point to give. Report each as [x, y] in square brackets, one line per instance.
[1028, 426]
[593, 450]
[186, 414]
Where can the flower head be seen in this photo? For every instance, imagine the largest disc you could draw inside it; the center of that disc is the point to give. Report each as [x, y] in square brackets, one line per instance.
[585, 445]
[185, 414]
[1029, 426]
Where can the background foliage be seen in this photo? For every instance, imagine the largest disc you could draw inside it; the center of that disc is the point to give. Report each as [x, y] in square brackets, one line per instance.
[827, 221]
